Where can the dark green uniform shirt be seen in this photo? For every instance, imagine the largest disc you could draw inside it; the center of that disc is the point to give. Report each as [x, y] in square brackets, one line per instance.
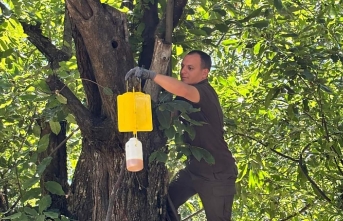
[210, 135]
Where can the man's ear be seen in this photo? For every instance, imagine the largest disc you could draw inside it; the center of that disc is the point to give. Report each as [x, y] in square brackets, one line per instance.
[205, 72]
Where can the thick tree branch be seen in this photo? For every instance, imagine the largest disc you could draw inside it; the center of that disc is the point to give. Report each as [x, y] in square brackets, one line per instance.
[160, 63]
[67, 35]
[105, 38]
[44, 45]
[150, 20]
[86, 71]
[82, 115]
[179, 6]
[169, 21]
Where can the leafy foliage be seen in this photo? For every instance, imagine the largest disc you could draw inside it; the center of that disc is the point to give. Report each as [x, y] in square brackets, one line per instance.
[277, 70]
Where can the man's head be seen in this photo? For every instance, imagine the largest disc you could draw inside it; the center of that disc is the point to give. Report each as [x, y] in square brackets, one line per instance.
[195, 67]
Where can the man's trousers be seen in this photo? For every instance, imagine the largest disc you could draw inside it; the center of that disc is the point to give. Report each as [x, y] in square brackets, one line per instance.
[215, 190]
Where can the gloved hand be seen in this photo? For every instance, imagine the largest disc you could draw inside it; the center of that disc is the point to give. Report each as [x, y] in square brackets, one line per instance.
[140, 73]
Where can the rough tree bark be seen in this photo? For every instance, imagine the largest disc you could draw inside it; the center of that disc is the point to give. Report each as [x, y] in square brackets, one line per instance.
[57, 169]
[104, 56]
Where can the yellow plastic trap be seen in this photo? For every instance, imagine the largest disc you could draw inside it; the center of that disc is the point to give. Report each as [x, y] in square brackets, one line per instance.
[134, 112]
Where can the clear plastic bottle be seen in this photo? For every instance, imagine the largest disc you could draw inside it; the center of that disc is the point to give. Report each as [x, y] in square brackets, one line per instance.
[134, 155]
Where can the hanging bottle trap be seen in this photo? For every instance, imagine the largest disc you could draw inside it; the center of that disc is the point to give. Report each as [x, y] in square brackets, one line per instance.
[134, 115]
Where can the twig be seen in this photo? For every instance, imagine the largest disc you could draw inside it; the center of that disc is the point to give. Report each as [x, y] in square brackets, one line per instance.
[113, 192]
[18, 183]
[266, 145]
[13, 206]
[194, 214]
[63, 142]
[283, 155]
[303, 169]
[297, 213]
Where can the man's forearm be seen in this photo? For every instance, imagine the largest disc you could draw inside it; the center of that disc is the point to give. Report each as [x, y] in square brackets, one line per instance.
[171, 84]
[177, 87]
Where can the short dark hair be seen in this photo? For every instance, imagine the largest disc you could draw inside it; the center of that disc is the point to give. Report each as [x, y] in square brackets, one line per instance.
[206, 61]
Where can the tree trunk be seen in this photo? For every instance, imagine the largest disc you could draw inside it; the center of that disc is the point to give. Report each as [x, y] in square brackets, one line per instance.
[101, 188]
[104, 56]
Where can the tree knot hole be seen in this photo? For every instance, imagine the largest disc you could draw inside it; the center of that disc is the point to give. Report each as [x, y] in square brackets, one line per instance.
[114, 44]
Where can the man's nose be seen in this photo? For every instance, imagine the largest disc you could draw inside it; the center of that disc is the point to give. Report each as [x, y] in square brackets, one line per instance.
[182, 71]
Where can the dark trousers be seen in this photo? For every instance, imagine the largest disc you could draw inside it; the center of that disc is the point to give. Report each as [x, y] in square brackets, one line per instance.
[216, 192]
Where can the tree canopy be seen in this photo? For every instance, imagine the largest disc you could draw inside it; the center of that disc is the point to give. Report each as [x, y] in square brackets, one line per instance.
[277, 70]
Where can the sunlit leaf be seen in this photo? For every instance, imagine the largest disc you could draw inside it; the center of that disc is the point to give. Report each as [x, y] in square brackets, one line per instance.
[55, 127]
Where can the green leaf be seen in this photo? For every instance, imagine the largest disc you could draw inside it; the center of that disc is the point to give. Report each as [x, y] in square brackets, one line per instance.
[55, 127]
[170, 132]
[184, 150]
[273, 93]
[44, 203]
[43, 143]
[200, 153]
[325, 88]
[196, 153]
[152, 156]
[71, 119]
[178, 138]
[230, 42]
[207, 156]
[159, 156]
[43, 86]
[308, 75]
[40, 218]
[3, 162]
[220, 11]
[164, 118]
[108, 91]
[61, 99]
[260, 24]
[33, 193]
[54, 188]
[42, 166]
[191, 131]
[208, 30]
[278, 4]
[30, 182]
[222, 27]
[253, 14]
[51, 214]
[30, 211]
[257, 48]
[194, 122]
[63, 218]
[198, 32]
[36, 130]
[14, 216]
[305, 105]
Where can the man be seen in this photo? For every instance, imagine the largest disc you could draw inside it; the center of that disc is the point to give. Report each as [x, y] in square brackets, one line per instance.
[215, 184]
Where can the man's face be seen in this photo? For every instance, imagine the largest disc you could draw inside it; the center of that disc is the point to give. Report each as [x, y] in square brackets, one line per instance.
[191, 70]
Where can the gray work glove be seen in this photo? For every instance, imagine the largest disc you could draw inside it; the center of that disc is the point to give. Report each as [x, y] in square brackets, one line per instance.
[140, 73]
